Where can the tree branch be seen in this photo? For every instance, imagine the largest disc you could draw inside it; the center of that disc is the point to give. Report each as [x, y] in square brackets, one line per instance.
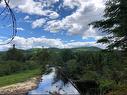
[13, 20]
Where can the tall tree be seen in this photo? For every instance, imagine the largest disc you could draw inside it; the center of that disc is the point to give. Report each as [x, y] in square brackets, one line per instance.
[14, 54]
[66, 55]
[114, 24]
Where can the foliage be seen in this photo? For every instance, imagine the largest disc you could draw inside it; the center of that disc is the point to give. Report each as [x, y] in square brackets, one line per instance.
[42, 56]
[114, 24]
[10, 67]
[66, 54]
[14, 54]
[106, 85]
[71, 68]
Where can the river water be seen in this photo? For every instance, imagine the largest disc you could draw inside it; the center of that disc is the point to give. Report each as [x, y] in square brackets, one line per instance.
[47, 86]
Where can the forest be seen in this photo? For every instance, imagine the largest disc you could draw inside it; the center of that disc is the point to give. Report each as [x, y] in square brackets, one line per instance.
[107, 68]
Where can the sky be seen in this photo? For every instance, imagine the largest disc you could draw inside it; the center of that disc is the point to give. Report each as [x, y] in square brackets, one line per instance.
[52, 23]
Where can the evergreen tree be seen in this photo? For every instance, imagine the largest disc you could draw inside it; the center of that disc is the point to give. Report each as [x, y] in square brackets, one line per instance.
[114, 24]
[66, 55]
[43, 56]
[14, 54]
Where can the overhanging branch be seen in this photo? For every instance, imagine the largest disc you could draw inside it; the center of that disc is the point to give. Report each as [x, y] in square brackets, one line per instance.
[13, 20]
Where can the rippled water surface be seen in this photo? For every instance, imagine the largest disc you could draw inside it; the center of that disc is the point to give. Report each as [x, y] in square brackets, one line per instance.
[47, 86]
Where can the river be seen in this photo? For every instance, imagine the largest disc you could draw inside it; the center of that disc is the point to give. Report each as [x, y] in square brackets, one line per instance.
[48, 86]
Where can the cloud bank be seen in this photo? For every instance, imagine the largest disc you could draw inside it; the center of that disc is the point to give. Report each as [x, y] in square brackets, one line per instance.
[33, 42]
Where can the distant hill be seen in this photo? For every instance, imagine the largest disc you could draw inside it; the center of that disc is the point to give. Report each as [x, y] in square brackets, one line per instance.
[35, 50]
[87, 49]
[57, 50]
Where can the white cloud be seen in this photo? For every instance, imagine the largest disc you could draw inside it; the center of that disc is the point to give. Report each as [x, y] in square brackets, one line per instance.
[3, 37]
[26, 17]
[54, 26]
[79, 44]
[20, 29]
[83, 44]
[54, 15]
[43, 36]
[92, 33]
[4, 47]
[48, 3]
[38, 23]
[28, 6]
[33, 42]
[26, 43]
[32, 7]
[71, 3]
[72, 40]
[77, 23]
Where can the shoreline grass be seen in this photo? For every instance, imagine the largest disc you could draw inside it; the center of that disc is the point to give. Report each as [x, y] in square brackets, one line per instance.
[18, 77]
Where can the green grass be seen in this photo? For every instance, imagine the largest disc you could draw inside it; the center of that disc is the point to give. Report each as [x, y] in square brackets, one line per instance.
[18, 77]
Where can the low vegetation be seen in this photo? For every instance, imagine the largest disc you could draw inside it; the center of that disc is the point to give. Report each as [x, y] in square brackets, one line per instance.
[18, 77]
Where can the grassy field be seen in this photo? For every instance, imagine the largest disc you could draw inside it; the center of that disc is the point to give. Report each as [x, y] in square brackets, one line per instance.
[18, 77]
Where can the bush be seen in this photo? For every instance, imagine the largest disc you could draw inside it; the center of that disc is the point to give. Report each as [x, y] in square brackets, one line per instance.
[14, 54]
[9, 67]
[106, 85]
[90, 75]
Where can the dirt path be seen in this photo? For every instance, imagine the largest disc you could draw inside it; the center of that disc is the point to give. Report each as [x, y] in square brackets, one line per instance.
[20, 88]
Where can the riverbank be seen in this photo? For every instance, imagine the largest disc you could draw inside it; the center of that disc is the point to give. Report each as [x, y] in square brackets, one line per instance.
[20, 88]
[19, 83]
[19, 77]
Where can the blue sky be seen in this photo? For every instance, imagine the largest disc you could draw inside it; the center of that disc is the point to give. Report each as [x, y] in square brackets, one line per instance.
[52, 23]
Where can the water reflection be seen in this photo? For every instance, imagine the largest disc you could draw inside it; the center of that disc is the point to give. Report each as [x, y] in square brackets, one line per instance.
[53, 83]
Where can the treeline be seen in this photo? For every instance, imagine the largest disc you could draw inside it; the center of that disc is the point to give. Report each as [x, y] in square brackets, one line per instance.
[15, 61]
[10, 67]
